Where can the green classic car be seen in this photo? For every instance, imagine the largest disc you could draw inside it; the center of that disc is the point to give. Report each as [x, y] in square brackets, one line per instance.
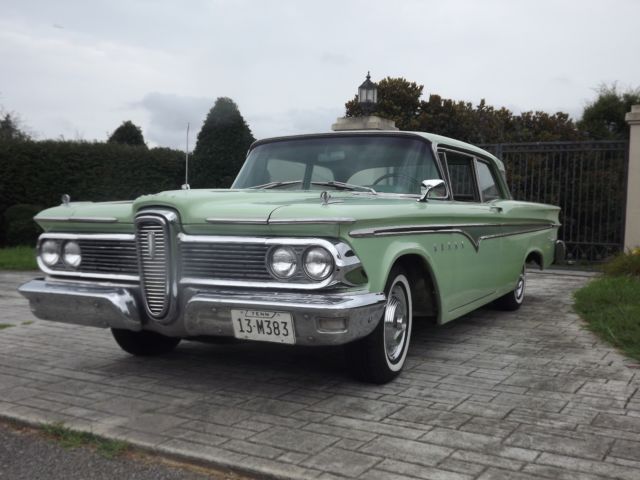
[328, 239]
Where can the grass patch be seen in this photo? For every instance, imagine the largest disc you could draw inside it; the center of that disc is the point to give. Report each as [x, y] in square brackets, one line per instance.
[611, 307]
[73, 439]
[18, 258]
[6, 325]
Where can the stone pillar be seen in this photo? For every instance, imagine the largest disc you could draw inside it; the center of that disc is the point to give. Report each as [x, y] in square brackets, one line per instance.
[632, 223]
[370, 122]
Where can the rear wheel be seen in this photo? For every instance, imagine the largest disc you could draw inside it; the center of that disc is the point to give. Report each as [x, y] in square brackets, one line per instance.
[379, 357]
[514, 299]
[144, 343]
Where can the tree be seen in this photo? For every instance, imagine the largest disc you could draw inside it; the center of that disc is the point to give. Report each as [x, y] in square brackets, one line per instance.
[603, 119]
[221, 147]
[10, 129]
[128, 134]
[400, 100]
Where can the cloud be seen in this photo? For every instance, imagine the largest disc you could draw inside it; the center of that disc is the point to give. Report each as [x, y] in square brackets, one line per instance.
[168, 116]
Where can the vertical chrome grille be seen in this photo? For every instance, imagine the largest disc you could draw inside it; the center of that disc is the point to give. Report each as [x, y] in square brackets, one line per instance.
[152, 239]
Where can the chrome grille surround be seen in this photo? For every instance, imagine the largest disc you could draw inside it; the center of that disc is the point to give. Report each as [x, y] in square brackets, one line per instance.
[155, 233]
[253, 273]
[105, 256]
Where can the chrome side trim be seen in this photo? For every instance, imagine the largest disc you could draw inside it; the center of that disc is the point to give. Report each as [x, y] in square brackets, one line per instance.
[343, 263]
[232, 221]
[280, 221]
[303, 221]
[77, 219]
[88, 236]
[454, 228]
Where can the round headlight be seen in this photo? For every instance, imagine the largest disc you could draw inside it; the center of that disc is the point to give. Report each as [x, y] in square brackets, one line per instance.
[283, 262]
[318, 263]
[71, 254]
[50, 252]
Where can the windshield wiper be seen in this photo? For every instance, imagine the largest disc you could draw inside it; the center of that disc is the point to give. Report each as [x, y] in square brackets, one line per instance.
[277, 184]
[345, 186]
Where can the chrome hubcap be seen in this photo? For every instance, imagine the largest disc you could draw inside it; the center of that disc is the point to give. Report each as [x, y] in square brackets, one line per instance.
[395, 323]
[520, 287]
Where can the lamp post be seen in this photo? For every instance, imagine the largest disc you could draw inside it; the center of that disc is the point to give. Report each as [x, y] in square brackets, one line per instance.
[368, 95]
[367, 98]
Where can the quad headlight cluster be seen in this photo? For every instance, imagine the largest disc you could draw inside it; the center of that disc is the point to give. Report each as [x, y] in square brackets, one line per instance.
[52, 252]
[314, 262]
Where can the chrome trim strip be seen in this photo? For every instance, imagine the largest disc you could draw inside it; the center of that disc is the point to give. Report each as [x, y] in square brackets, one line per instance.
[452, 228]
[304, 221]
[97, 276]
[279, 221]
[232, 221]
[87, 236]
[77, 219]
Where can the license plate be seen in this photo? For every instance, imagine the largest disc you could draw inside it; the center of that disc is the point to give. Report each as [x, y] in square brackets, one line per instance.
[263, 326]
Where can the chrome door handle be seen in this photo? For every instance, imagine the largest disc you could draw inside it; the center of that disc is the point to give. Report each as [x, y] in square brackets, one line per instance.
[495, 208]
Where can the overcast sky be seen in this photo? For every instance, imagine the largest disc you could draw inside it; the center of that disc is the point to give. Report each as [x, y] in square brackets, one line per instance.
[79, 68]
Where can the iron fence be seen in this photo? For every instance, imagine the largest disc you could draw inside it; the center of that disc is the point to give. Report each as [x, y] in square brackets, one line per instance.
[586, 179]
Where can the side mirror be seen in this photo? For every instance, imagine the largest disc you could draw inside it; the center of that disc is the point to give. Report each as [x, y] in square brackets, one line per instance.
[435, 188]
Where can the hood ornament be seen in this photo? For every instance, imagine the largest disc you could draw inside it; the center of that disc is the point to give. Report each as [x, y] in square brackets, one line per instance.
[66, 199]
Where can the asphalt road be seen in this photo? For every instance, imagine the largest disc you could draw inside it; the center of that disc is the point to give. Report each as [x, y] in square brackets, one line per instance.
[28, 454]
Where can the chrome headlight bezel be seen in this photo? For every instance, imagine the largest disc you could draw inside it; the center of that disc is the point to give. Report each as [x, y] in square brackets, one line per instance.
[318, 252]
[50, 252]
[282, 251]
[72, 254]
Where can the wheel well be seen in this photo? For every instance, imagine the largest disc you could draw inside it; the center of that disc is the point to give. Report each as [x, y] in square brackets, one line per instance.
[423, 288]
[535, 257]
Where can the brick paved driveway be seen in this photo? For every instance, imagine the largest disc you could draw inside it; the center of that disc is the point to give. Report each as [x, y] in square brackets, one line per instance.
[493, 395]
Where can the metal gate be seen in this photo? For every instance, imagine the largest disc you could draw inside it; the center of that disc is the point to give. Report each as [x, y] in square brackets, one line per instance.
[588, 180]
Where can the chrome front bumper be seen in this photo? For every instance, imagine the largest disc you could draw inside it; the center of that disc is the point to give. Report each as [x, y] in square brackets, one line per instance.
[206, 312]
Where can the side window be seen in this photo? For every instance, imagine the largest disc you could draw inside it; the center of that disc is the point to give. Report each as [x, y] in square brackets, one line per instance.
[462, 178]
[487, 183]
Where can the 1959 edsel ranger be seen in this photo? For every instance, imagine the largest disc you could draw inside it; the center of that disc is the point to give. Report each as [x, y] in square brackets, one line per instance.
[328, 239]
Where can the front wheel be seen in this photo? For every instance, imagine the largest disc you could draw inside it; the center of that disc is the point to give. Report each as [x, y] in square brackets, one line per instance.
[513, 300]
[379, 357]
[144, 343]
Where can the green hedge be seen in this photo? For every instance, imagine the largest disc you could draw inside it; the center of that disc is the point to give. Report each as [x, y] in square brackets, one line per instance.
[38, 173]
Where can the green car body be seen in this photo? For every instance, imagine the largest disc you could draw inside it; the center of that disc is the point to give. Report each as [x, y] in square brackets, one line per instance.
[456, 254]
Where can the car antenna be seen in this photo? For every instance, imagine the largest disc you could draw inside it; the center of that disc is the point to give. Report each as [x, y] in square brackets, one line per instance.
[186, 164]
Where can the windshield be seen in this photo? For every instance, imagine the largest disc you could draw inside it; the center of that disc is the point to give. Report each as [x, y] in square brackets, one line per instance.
[360, 163]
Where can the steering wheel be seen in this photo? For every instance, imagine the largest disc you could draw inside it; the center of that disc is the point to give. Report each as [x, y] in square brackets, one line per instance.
[399, 175]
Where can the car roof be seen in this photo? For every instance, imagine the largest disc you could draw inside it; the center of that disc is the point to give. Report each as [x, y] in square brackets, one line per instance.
[430, 137]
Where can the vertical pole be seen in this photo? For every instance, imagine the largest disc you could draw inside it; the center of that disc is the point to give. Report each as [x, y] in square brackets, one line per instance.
[632, 221]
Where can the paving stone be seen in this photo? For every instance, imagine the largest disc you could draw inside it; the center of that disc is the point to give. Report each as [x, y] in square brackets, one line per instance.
[356, 407]
[560, 441]
[431, 417]
[476, 441]
[421, 471]
[296, 440]
[342, 462]
[588, 466]
[618, 422]
[407, 450]
[626, 449]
